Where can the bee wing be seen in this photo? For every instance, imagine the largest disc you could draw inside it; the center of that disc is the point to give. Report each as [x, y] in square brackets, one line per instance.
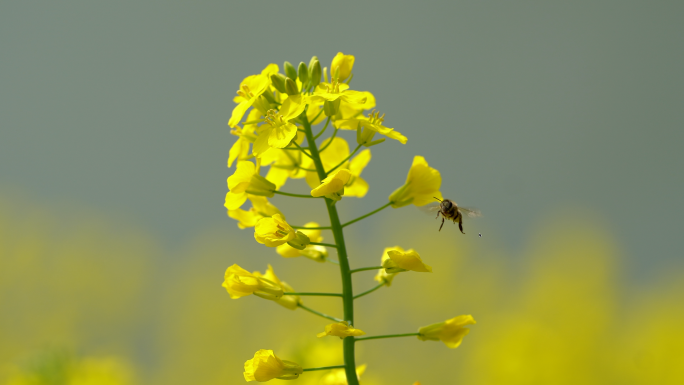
[430, 208]
[470, 212]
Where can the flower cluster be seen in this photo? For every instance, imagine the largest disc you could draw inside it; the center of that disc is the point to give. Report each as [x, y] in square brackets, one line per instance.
[273, 122]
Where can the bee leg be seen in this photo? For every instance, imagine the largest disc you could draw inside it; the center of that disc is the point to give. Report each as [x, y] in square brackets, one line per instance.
[460, 225]
[440, 227]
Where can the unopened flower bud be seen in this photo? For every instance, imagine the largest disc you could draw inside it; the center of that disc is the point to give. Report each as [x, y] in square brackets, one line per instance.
[262, 104]
[290, 71]
[291, 87]
[278, 81]
[300, 241]
[303, 73]
[315, 73]
[331, 108]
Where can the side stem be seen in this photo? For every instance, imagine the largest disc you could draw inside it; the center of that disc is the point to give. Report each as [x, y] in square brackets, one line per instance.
[347, 292]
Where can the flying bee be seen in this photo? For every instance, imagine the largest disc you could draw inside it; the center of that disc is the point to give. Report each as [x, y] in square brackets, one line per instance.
[450, 210]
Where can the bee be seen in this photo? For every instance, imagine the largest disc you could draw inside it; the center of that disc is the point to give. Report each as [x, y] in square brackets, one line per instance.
[450, 210]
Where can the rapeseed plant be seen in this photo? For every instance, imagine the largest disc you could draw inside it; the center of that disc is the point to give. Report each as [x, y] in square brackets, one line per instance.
[285, 107]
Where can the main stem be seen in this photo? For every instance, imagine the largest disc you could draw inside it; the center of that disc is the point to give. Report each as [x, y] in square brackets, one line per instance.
[347, 293]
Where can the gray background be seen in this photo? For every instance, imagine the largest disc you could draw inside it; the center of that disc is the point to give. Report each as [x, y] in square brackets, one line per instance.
[525, 107]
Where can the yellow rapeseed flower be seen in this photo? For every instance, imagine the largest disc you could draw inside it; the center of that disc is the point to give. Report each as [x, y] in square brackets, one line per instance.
[333, 186]
[266, 366]
[261, 208]
[397, 260]
[371, 124]
[336, 152]
[339, 377]
[240, 283]
[342, 64]
[340, 329]
[383, 275]
[289, 301]
[421, 187]
[339, 93]
[316, 252]
[451, 332]
[250, 89]
[274, 231]
[246, 181]
[278, 131]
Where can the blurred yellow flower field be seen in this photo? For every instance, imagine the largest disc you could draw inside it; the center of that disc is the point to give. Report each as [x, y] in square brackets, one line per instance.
[562, 312]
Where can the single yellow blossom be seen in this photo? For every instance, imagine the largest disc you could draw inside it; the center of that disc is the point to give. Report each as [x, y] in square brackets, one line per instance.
[289, 301]
[421, 187]
[339, 377]
[371, 125]
[246, 181]
[383, 275]
[451, 332]
[315, 252]
[396, 261]
[240, 283]
[342, 63]
[261, 208]
[333, 186]
[273, 231]
[334, 91]
[337, 152]
[340, 329]
[250, 89]
[266, 366]
[278, 131]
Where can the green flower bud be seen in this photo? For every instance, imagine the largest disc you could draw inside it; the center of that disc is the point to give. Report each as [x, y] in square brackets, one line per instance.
[315, 72]
[311, 62]
[262, 104]
[331, 108]
[300, 241]
[291, 87]
[278, 81]
[290, 71]
[303, 73]
[269, 97]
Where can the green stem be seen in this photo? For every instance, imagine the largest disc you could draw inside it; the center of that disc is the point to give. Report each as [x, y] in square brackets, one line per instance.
[338, 234]
[387, 336]
[293, 195]
[369, 291]
[299, 147]
[324, 368]
[316, 294]
[345, 159]
[323, 244]
[290, 167]
[329, 142]
[324, 127]
[367, 215]
[310, 310]
[365, 268]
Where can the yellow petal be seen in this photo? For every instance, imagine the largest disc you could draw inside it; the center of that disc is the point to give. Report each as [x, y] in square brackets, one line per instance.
[282, 135]
[410, 260]
[234, 201]
[332, 184]
[239, 181]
